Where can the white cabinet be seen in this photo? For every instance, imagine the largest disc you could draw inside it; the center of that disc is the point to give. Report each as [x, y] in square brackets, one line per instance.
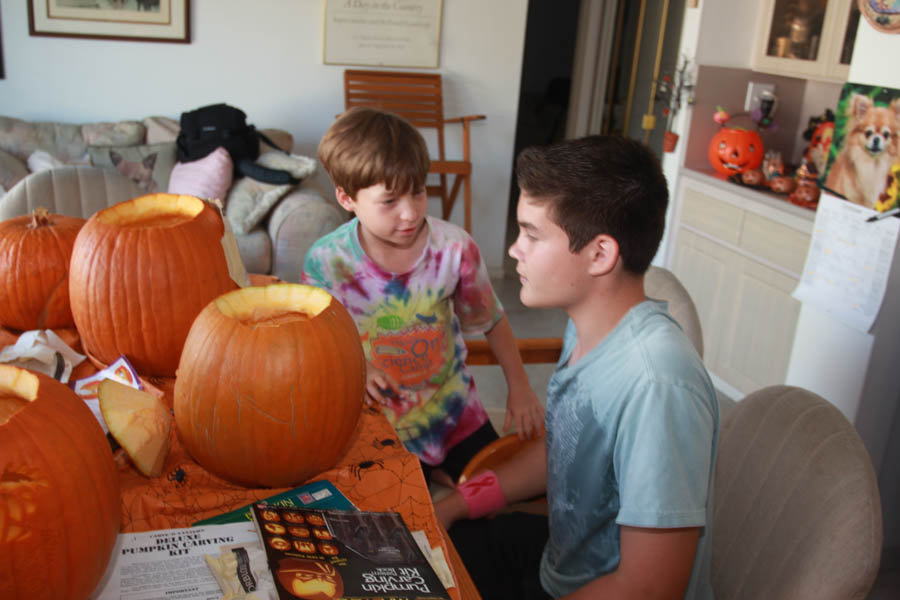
[806, 38]
[740, 253]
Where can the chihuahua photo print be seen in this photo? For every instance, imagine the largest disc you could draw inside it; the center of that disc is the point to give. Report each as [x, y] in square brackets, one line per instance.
[866, 144]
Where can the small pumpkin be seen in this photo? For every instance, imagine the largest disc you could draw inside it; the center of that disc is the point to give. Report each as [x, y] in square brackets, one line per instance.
[270, 384]
[734, 150]
[34, 270]
[60, 507]
[141, 271]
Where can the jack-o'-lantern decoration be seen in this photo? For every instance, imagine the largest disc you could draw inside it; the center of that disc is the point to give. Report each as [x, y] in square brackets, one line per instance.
[34, 270]
[270, 385]
[819, 146]
[734, 150]
[60, 507]
[141, 271]
[310, 579]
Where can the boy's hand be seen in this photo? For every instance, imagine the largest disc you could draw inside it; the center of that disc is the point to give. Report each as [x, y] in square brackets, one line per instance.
[525, 412]
[381, 389]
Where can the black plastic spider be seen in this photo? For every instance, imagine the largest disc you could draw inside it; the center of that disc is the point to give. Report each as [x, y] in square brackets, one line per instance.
[178, 476]
[385, 443]
[364, 466]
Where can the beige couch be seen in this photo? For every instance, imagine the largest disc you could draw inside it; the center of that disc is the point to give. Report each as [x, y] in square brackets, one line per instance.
[43, 159]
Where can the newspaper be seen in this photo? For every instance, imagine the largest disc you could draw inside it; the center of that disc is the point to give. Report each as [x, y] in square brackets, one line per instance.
[169, 563]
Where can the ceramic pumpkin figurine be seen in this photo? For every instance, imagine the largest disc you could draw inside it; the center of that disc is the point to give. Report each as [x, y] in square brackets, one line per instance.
[34, 270]
[141, 271]
[60, 508]
[734, 150]
[270, 385]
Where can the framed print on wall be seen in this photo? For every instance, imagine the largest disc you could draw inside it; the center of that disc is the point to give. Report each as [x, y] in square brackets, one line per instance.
[131, 20]
[382, 33]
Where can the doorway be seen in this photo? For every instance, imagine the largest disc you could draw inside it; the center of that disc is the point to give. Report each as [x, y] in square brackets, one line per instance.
[581, 75]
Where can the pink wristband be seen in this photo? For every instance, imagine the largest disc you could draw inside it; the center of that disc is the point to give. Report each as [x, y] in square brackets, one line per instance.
[482, 494]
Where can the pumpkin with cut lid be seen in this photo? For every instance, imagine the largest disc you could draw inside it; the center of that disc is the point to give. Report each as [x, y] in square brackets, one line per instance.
[34, 270]
[270, 384]
[60, 508]
[141, 271]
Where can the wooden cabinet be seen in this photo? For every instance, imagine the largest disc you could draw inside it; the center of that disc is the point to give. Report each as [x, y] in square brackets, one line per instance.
[806, 38]
[740, 254]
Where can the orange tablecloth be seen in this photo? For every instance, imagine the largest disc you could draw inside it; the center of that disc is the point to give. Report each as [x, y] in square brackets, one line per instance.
[376, 473]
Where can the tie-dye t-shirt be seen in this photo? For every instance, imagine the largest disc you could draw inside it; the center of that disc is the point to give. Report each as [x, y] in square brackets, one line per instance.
[411, 326]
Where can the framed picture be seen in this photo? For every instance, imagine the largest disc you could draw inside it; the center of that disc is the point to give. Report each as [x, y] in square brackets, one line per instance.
[865, 150]
[134, 20]
[382, 34]
[883, 15]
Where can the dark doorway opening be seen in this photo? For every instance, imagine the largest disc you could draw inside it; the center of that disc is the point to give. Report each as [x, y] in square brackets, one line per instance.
[550, 56]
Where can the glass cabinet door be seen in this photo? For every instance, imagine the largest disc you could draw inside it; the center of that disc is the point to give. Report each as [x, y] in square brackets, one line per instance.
[795, 31]
[849, 34]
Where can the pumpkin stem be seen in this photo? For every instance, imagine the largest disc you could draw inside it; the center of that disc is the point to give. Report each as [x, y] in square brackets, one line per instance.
[40, 217]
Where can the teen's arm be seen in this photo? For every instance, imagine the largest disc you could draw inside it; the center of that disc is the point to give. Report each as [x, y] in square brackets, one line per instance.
[521, 477]
[523, 409]
[653, 563]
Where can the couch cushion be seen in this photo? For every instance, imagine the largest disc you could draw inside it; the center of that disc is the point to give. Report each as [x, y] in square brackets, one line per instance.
[12, 169]
[256, 251]
[208, 177]
[301, 218]
[249, 201]
[282, 139]
[72, 191]
[149, 166]
[120, 133]
[161, 129]
[63, 140]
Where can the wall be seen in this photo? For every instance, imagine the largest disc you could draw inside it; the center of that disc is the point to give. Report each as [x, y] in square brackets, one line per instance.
[267, 60]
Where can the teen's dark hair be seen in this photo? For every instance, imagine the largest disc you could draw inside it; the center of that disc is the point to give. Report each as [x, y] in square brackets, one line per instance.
[600, 185]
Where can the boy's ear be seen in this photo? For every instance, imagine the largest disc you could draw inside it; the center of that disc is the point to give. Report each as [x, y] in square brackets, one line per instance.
[602, 254]
[343, 199]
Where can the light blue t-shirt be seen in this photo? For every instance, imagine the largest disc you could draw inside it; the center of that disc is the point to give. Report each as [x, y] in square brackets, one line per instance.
[632, 430]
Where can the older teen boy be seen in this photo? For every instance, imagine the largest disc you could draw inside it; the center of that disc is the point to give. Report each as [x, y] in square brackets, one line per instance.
[631, 417]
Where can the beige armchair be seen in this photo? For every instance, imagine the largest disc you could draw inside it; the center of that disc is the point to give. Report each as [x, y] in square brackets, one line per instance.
[797, 510]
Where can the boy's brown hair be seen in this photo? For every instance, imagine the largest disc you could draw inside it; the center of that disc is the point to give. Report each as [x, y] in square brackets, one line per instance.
[366, 146]
[601, 185]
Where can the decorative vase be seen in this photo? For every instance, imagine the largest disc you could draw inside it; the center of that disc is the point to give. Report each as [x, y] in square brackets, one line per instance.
[670, 140]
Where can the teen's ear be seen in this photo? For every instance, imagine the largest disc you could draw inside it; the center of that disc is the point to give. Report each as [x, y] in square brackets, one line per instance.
[343, 199]
[603, 254]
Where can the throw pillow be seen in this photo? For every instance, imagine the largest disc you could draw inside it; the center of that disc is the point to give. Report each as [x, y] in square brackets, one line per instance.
[249, 201]
[161, 129]
[208, 177]
[43, 161]
[12, 170]
[120, 133]
[148, 166]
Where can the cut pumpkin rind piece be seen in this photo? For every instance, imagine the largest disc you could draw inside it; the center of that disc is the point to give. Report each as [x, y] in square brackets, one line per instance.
[139, 421]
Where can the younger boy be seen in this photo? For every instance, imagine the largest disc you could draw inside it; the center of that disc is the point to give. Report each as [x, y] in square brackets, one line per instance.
[632, 420]
[413, 284]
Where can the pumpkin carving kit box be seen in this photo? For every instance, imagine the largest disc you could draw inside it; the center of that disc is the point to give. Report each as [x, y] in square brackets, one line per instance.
[331, 554]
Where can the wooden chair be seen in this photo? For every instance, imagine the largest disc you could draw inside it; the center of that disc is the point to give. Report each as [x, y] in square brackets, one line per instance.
[418, 98]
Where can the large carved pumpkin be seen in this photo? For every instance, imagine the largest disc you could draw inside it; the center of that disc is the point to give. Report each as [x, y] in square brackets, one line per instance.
[34, 270]
[60, 507]
[270, 384]
[141, 271]
[734, 150]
